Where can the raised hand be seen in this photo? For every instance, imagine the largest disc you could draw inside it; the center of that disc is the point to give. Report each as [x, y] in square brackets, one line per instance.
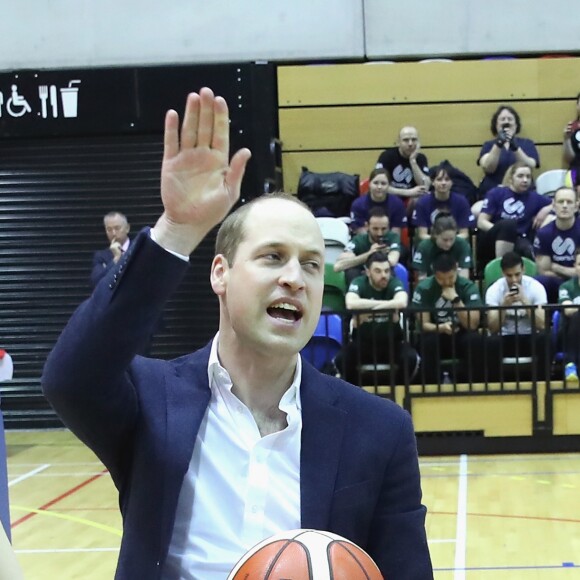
[198, 185]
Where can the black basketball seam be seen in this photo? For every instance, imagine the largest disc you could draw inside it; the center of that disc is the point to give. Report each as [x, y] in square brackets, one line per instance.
[279, 555]
[346, 546]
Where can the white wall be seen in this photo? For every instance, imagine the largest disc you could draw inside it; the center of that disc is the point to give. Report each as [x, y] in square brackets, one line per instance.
[421, 28]
[89, 33]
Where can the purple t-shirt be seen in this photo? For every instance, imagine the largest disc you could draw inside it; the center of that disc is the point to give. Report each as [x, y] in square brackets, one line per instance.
[429, 207]
[399, 167]
[559, 245]
[393, 206]
[501, 203]
[506, 158]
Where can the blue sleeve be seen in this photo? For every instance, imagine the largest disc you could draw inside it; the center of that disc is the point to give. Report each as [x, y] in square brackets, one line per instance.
[398, 216]
[542, 242]
[490, 203]
[465, 219]
[529, 148]
[358, 214]
[421, 218]
[485, 148]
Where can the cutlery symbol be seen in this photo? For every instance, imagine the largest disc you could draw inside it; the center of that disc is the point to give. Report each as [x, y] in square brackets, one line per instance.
[53, 101]
[43, 95]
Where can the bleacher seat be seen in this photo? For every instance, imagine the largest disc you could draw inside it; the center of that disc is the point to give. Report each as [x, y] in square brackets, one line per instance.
[334, 289]
[549, 181]
[325, 343]
[492, 271]
[336, 237]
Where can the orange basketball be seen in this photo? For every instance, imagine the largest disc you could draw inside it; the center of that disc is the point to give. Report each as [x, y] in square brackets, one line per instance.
[305, 555]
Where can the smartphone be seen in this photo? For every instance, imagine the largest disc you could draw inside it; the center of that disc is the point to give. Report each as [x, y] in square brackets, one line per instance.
[514, 289]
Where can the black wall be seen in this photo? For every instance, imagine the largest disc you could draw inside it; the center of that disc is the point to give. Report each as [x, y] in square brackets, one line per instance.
[60, 175]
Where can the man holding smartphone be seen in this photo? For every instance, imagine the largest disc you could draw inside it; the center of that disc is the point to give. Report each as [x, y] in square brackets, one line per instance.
[378, 238]
[519, 330]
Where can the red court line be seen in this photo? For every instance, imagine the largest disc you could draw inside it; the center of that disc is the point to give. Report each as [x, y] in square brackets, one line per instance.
[515, 517]
[60, 497]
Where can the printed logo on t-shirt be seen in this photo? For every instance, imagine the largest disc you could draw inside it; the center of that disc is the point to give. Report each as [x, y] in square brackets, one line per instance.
[513, 208]
[418, 257]
[402, 175]
[563, 246]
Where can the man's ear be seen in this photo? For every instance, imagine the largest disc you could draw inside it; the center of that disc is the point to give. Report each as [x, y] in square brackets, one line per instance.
[219, 274]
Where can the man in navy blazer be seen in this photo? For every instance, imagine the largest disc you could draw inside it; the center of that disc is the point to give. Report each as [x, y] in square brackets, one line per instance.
[117, 230]
[220, 448]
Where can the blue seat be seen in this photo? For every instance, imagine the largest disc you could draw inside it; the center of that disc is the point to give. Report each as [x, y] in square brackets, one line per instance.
[325, 343]
[402, 274]
[558, 355]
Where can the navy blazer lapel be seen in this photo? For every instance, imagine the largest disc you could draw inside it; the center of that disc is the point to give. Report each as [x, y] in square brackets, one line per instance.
[323, 424]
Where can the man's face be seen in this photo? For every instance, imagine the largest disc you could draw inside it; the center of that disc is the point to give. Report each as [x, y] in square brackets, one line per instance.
[442, 183]
[117, 229]
[271, 296]
[379, 274]
[446, 279]
[521, 179]
[378, 187]
[565, 204]
[408, 141]
[514, 274]
[378, 227]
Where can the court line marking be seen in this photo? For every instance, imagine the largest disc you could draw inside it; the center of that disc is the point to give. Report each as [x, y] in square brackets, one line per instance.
[511, 516]
[461, 521]
[66, 550]
[90, 523]
[55, 500]
[29, 474]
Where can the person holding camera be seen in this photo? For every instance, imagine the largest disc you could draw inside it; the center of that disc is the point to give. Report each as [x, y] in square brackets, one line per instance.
[572, 139]
[505, 149]
[378, 238]
[517, 331]
[443, 240]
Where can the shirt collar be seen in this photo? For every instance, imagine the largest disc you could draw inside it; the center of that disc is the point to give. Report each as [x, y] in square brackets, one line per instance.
[219, 378]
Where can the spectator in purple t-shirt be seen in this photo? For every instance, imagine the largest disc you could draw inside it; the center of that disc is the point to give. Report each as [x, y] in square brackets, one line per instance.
[555, 244]
[505, 149]
[509, 214]
[378, 197]
[442, 200]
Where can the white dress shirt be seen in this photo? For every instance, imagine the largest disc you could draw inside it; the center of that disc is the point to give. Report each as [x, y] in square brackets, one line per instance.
[240, 487]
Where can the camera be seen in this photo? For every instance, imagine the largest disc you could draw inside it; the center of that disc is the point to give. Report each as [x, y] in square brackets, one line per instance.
[514, 289]
[383, 240]
[502, 134]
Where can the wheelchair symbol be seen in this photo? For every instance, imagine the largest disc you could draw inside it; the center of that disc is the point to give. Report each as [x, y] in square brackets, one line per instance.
[17, 105]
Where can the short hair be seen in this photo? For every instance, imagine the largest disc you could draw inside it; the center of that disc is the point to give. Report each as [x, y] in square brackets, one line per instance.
[113, 214]
[376, 257]
[232, 230]
[437, 169]
[378, 212]
[444, 263]
[497, 114]
[378, 171]
[566, 188]
[510, 260]
[443, 223]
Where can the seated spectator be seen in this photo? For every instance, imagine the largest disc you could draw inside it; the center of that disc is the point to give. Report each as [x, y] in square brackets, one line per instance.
[443, 240]
[555, 244]
[509, 215]
[572, 139]
[377, 238]
[377, 197]
[516, 331]
[407, 168]
[442, 200]
[446, 329]
[377, 338]
[568, 295]
[505, 149]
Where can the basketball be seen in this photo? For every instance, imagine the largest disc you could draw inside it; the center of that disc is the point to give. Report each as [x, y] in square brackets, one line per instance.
[305, 555]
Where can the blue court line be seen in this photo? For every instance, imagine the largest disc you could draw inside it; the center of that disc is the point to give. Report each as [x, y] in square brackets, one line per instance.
[564, 565]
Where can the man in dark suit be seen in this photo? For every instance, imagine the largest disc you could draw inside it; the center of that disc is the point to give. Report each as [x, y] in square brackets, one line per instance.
[117, 229]
[219, 449]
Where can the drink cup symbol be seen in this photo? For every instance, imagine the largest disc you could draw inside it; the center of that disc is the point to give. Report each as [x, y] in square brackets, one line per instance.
[69, 97]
